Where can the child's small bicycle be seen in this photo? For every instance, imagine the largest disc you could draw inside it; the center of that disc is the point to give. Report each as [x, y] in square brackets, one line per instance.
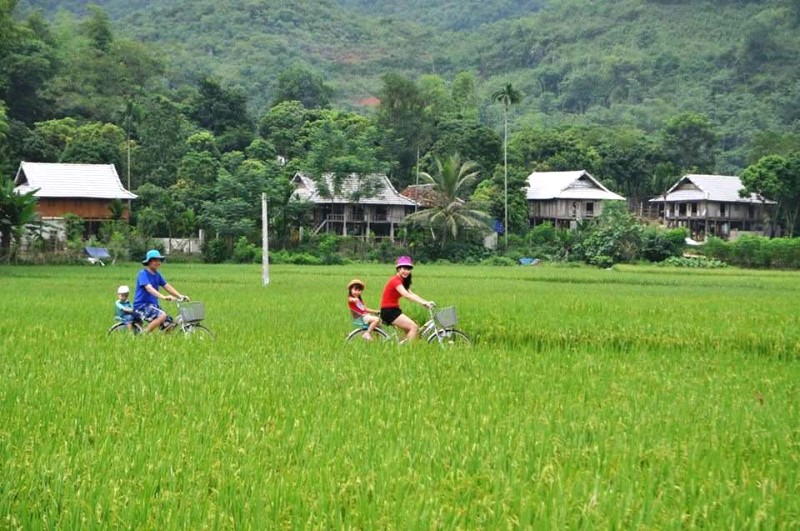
[439, 328]
[188, 322]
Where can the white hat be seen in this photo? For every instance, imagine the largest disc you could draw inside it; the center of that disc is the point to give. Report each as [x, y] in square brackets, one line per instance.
[123, 289]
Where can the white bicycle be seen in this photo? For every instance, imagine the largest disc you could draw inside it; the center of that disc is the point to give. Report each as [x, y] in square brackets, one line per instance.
[439, 328]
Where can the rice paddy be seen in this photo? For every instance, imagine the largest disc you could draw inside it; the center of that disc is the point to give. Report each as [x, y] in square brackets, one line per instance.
[632, 397]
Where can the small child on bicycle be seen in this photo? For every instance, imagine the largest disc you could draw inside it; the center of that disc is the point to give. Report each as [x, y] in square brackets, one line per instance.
[124, 308]
[363, 317]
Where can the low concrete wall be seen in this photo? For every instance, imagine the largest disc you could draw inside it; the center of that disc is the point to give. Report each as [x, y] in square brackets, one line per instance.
[180, 245]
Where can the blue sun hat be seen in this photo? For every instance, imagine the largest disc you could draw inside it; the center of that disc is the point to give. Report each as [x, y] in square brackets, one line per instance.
[151, 255]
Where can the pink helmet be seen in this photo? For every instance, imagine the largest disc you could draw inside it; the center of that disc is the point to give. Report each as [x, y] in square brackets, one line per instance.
[404, 261]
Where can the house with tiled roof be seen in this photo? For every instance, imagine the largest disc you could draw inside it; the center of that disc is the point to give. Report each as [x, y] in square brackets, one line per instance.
[565, 197]
[422, 194]
[355, 205]
[710, 205]
[85, 190]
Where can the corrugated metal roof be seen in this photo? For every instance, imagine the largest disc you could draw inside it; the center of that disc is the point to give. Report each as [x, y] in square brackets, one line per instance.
[306, 188]
[567, 185]
[86, 181]
[721, 188]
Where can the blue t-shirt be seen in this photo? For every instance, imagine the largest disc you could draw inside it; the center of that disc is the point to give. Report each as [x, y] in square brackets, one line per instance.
[143, 298]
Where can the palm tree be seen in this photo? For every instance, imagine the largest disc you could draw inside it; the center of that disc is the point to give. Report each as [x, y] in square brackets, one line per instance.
[508, 96]
[449, 212]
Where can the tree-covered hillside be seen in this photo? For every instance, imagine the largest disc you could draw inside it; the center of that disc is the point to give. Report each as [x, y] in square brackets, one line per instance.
[203, 106]
[630, 62]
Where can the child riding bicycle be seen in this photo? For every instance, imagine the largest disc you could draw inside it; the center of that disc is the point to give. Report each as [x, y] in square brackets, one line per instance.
[124, 309]
[363, 317]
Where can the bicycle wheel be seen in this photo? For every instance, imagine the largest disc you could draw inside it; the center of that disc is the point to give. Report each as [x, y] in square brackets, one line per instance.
[122, 328]
[379, 334]
[197, 331]
[449, 337]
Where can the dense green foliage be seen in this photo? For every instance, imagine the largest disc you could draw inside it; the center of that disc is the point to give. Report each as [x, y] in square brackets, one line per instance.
[751, 251]
[586, 401]
[214, 104]
[634, 63]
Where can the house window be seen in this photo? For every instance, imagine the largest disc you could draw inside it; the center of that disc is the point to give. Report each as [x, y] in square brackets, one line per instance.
[589, 209]
[751, 212]
[682, 209]
[722, 209]
[694, 209]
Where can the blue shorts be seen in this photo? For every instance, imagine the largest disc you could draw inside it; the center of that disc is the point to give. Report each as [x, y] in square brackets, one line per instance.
[129, 318]
[151, 312]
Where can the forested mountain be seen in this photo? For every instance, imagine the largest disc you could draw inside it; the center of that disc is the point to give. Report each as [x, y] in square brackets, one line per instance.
[624, 62]
[204, 105]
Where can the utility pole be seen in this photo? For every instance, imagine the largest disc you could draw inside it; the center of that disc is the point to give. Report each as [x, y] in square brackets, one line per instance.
[264, 241]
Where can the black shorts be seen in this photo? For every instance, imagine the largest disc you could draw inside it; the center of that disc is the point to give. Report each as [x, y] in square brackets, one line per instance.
[388, 315]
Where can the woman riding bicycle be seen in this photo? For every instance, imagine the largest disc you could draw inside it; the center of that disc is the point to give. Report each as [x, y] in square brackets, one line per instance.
[397, 287]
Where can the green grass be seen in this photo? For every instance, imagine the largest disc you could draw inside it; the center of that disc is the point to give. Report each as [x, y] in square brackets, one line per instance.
[634, 397]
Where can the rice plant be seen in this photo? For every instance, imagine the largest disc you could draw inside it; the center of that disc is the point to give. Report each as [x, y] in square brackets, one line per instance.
[632, 397]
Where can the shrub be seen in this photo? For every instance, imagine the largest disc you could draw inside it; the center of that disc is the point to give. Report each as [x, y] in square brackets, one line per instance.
[615, 237]
[658, 244]
[244, 252]
[700, 262]
[784, 253]
[499, 261]
[215, 251]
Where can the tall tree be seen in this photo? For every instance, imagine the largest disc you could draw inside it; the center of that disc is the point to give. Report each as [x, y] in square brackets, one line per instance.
[689, 142]
[161, 133]
[450, 213]
[96, 143]
[343, 144]
[282, 125]
[218, 108]
[777, 178]
[5, 162]
[27, 63]
[507, 96]
[303, 84]
[465, 95]
[98, 28]
[471, 140]
[47, 141]
[403, 119]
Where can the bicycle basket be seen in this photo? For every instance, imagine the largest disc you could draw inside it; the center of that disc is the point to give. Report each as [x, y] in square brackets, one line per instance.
[192, 312]
[447, 316]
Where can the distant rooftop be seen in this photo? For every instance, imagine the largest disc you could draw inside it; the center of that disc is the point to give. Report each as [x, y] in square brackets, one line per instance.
[722, 188]
[567, 185]
[86, 181]
[372, 189]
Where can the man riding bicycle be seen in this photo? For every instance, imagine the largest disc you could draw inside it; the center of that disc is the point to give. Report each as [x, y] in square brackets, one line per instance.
[148, 283]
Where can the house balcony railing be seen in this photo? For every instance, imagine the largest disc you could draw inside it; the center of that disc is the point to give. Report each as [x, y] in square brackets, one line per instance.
[371, 218]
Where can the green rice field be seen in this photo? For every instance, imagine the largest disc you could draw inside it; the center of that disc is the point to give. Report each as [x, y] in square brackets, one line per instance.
[637, 397]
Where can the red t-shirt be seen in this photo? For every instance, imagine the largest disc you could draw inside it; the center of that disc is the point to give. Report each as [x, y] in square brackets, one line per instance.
[391, 298]
[357, 308]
